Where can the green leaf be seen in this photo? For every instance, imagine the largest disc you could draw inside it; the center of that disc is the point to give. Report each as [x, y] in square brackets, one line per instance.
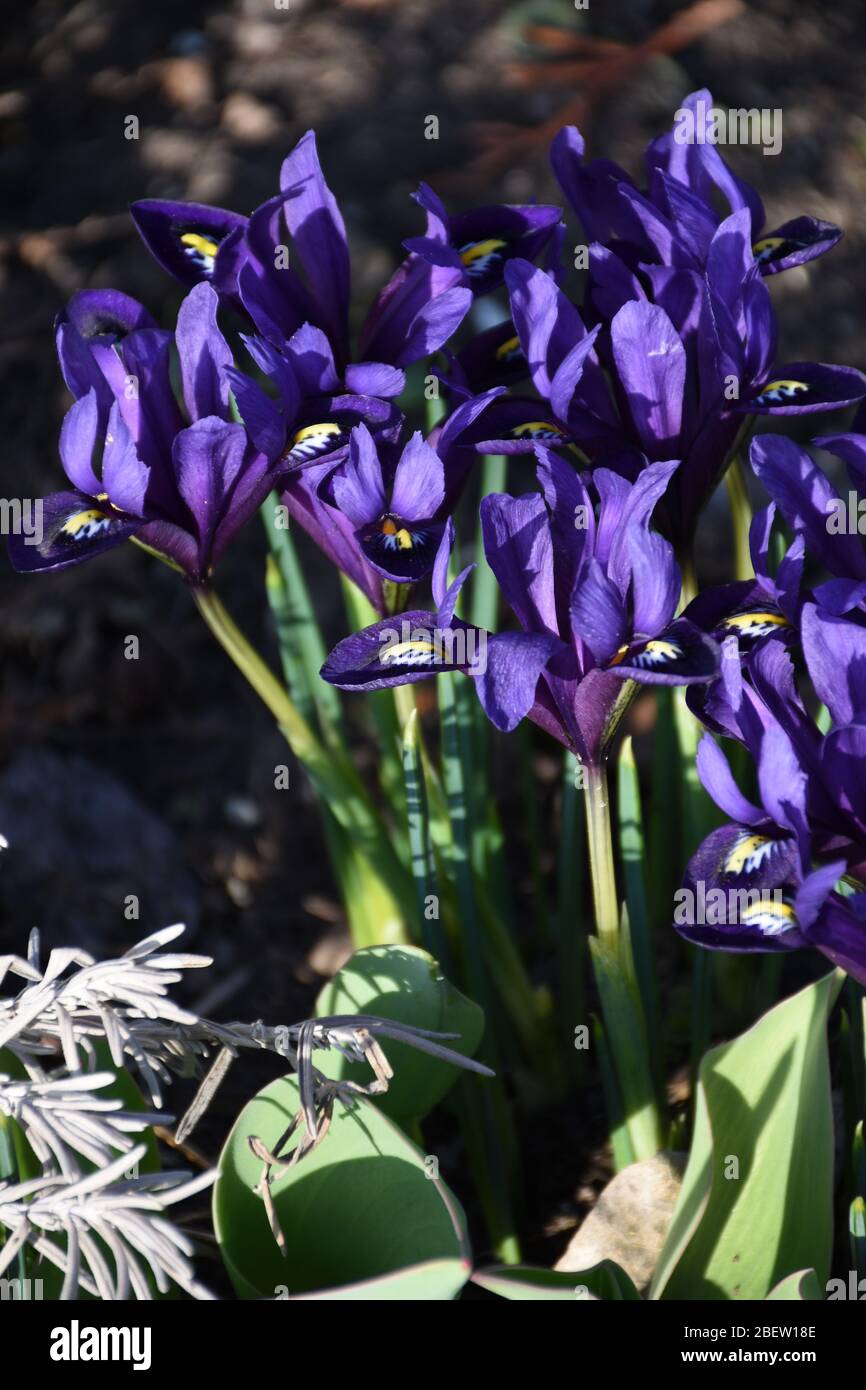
[857, 1234]
[420, 846]
[756, 1199]
[360, 1215]
[403, 983]
[858, 1161]
[484, 588]
[620, 1143]
[800, 1286]
[627, 1043]
[525, 1283]
[18, 1162]
[379, 705]
[571, 926]
[632, 858]
[455, 718]
[698, 816]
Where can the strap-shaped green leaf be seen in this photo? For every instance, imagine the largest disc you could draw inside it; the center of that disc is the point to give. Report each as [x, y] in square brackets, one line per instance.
[756, 1200]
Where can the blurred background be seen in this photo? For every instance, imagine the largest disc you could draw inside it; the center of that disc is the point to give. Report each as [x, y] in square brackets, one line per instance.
[155, 777]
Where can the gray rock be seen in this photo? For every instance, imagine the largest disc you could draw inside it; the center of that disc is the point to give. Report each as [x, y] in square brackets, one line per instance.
[630, 1220]
[80, 844]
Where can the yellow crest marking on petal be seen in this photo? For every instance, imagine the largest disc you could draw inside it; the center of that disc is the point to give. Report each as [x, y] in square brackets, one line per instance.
[536, 429]
[771, 918]
[313, 440]
[747, 854]
[661, 650]
[416, 652]
[477, 250]
[768, 243]
[204, 245]
[323, 431]
[85, 525]
[508, 348]
[775, 391]
[747, 622]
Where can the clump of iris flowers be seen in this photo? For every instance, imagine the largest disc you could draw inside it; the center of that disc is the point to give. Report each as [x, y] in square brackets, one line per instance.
[612, 412]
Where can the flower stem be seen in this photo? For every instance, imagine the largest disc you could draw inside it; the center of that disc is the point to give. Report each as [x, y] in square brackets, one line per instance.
[404, 704]
[600, 840]
[616, 979]
[299, 735]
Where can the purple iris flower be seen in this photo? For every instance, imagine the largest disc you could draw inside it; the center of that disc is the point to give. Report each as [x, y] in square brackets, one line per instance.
[777, 865]
[476, 246]
[310, 432]
[751, 885]
[245, 259]
[310, 415]
[673, 222]
[594, 597]
[817, 513]
[687, 367]
[393, 508]
[418, 310]
[179, 479]
[753, 695]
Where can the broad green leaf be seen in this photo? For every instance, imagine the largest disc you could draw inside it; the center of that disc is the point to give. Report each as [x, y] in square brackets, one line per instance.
[406, 984]
[361, 1216]
[756, 1199]
[19, 1163]
[800, 1286]
[525, 1283]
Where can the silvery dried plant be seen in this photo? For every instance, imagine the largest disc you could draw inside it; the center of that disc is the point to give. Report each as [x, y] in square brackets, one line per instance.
[90, 1199]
